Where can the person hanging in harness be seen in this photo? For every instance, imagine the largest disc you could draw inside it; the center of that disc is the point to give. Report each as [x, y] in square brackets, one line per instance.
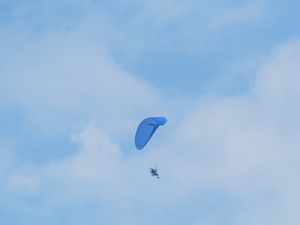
[154, 172]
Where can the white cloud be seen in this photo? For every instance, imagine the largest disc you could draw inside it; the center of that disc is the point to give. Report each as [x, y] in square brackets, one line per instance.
[246, 146]
[278, 80]
[19, 183]
[231, 147]
[246, 13]
[61, 78]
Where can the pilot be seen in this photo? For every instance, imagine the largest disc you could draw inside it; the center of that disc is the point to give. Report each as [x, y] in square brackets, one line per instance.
[154, 172]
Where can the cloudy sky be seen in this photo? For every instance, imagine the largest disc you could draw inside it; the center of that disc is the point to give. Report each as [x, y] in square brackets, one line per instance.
[77, 77]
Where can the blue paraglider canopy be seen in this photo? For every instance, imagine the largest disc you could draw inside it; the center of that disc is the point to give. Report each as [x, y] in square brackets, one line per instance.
[146, 129]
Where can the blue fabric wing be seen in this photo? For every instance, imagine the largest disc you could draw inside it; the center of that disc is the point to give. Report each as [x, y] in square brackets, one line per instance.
[146, 129]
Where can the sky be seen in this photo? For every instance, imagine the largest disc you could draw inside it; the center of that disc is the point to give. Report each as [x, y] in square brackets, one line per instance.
[77, 78]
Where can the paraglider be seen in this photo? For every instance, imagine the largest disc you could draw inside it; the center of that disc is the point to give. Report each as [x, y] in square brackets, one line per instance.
[145, 131]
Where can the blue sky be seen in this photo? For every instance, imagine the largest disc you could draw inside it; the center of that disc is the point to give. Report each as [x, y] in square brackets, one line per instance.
[77, 77]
